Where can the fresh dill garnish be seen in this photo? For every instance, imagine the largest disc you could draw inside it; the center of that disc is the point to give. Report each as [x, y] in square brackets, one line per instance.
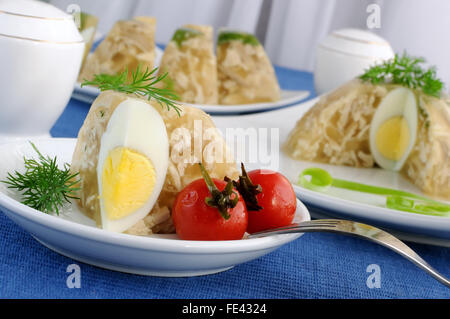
[141, 83]
[43, 185]
[405, 70]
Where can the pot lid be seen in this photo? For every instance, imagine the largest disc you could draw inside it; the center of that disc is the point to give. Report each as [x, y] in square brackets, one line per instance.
[37, 21]
[359, 42]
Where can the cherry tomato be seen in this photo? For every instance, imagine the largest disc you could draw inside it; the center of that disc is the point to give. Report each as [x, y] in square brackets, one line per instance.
[277, 199]
[195, 220]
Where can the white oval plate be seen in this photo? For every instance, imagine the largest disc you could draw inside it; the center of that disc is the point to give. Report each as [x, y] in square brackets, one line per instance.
[288, 97]
[74, 235]
[88, 94]
[339, 203]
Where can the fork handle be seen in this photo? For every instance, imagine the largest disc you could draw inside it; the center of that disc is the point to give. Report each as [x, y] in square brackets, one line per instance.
[378, 236]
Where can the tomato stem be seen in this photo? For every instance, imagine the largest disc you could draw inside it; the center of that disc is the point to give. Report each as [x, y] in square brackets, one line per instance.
[247, 189]
[219, 199]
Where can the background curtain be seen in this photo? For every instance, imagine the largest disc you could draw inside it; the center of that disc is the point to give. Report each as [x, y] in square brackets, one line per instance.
[170, 14]
[421, 27]
[291, 29]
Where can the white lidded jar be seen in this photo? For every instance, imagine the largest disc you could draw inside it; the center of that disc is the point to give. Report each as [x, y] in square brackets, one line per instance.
[40, 57]
[345, 54]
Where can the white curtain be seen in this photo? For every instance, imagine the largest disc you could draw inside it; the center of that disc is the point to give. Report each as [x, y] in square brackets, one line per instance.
[171, 14]
[421, 27]
[292, 28]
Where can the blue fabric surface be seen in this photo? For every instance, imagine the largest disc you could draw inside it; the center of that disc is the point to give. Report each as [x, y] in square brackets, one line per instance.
[314, 266]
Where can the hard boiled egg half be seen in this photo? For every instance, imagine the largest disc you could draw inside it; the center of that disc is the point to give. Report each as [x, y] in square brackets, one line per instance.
[393, 129]
[132, 164]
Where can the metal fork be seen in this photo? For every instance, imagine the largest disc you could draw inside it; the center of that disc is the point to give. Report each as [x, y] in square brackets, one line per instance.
[359, 230]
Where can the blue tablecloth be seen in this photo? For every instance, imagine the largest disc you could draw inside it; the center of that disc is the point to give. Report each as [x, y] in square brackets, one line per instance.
[314, 266]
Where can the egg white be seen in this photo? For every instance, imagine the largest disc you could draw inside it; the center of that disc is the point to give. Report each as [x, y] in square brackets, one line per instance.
[398, 102]
[138, 126]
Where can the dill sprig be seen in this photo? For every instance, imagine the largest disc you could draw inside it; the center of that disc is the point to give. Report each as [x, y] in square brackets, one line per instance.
[44, 186]
[141, 83]
[405, 70]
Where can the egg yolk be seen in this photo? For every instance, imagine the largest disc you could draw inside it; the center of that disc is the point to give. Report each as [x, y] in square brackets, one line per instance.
[128, 179]
[393, 137]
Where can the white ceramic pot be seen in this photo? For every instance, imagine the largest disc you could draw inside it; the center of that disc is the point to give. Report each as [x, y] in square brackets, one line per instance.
[345, 54]
[40, 57]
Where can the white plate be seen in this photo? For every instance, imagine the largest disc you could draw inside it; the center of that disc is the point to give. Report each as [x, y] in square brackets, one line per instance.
[338, 204]
[88, 94]
[288, 97]
[74, 235]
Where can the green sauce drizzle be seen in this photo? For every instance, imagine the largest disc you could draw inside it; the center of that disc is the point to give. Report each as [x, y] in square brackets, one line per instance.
[184, 34]
[246, 38]
[320, 181]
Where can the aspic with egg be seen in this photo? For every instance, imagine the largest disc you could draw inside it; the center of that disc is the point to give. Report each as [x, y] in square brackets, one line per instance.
[136, 176]
[136, 149]
[393, 121]
[128, 154]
